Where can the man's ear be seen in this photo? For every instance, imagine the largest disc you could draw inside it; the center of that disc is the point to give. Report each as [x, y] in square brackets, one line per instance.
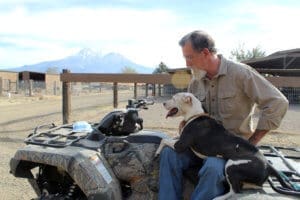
[206, 51]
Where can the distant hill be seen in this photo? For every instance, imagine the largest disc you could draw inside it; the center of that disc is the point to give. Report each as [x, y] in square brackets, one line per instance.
[88, 61]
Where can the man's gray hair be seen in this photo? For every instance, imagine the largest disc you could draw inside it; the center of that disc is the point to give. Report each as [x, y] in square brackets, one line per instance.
[199, 40]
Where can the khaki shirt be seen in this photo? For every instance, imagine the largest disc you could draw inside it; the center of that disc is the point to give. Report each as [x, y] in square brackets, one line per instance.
[231, 96]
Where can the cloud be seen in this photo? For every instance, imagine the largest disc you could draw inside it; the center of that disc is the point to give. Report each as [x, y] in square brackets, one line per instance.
[145, 35]
[87, 24]
[272, 27]
[129, 31]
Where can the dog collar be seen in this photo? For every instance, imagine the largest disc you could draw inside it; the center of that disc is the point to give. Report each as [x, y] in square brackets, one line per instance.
[196, 116]
[183, 123]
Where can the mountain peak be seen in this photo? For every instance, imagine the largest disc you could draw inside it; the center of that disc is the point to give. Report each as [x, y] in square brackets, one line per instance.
[88, 53]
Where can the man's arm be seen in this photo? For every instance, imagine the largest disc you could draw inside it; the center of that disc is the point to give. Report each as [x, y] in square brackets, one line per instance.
[257, 136]
[270, 101]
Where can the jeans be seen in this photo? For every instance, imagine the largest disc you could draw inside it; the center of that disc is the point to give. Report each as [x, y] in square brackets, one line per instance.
[172, 164]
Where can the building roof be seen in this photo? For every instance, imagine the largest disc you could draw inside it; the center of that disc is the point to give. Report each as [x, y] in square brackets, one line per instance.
[8, 71]
[288, 59]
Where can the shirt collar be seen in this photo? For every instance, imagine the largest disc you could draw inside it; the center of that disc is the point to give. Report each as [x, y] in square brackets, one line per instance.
[222, 69]
[223, 66]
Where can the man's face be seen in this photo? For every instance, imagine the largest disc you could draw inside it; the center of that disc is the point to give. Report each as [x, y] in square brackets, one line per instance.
[193, 59]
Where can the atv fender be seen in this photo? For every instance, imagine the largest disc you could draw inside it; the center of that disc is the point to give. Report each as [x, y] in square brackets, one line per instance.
[86, 167]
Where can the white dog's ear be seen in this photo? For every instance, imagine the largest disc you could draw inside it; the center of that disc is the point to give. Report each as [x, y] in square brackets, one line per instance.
[187, 99]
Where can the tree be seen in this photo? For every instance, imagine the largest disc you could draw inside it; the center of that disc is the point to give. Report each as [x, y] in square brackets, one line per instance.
[52, 70]
[162, 67]
[128, 70]
[240, 54]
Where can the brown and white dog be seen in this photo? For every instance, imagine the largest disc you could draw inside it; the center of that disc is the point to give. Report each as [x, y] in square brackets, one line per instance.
[206, 137]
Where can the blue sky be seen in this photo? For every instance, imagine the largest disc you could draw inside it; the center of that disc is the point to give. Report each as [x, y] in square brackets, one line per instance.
[147, 32]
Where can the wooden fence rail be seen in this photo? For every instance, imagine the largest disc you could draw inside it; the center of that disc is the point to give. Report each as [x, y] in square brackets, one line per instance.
[66, 77]
[118, 78]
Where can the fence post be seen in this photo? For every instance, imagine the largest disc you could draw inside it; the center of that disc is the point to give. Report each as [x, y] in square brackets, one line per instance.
[159, 90]
[54, 88]
[90, 87]
[115, 88]
[0, 86]
[146, 89]
[30, 88]
[17, 86]
[66, 94]
[9, 85]
[135, 91]
[26, 77]
[153, 89]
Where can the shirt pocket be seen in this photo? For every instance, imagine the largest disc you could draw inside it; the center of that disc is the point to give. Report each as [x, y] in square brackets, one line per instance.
[227, 103]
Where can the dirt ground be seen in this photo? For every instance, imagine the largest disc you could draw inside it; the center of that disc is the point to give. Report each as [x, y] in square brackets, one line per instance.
[19, 115]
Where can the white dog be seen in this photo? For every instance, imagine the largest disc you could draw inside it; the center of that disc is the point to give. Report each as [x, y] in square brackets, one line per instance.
[181, 104]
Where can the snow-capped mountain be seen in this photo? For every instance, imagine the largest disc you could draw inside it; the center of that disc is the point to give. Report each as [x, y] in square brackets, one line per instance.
[88, 61]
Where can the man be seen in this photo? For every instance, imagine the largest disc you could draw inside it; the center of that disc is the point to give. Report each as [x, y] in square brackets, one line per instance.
[229, 92]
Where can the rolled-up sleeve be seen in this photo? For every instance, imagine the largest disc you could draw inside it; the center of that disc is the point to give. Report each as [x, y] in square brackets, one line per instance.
[270, 101]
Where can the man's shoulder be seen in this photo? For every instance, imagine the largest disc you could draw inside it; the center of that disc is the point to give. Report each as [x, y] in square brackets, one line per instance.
[238, 68]
[235, 64]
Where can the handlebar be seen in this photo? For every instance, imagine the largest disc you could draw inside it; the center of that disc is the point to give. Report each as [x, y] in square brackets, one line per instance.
[140, 103]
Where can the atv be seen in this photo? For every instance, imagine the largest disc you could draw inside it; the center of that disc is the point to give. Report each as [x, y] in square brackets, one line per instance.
[115, 159]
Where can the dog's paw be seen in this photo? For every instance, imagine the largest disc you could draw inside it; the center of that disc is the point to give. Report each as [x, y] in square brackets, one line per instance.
[158, 151]
[156, 155]
[165, 142]
[160, 147]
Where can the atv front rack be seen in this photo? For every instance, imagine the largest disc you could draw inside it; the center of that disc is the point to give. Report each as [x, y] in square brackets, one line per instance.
[54, 136]
[287, 162]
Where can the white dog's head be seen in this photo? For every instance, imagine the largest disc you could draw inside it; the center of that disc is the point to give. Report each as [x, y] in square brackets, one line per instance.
[183, 104]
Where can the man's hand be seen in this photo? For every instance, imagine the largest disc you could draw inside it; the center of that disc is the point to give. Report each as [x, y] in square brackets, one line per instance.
[257, 136]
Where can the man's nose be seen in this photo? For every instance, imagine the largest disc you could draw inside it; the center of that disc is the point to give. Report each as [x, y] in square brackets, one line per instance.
[188, 63]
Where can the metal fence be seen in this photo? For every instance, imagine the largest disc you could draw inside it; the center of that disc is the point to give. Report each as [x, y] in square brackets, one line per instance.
[9, 86]
[37, 87]
[292, 94]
